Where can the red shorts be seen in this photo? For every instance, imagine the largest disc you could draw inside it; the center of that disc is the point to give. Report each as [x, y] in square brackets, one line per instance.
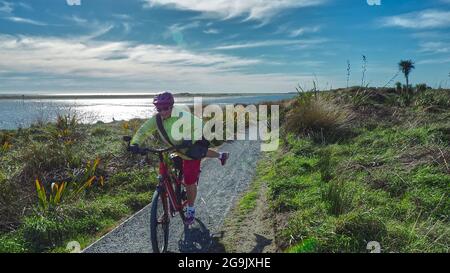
[191, 171]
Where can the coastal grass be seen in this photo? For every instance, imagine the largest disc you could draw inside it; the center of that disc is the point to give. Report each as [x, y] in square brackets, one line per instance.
[388, 181]
[64, 152]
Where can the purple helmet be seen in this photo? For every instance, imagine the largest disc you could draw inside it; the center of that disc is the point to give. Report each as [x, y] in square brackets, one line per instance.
[163, 99]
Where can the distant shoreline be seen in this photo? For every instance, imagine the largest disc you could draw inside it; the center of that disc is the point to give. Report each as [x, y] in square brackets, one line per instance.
[128, 96]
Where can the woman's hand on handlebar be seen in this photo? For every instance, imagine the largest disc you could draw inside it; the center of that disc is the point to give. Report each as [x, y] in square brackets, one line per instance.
[135, 149]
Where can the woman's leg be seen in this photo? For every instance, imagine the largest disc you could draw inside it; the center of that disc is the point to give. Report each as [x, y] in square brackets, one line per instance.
[191, 172]
[212, 153]
[223, 157]
[191, 192]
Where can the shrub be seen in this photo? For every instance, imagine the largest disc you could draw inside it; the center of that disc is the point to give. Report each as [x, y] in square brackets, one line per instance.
[41, 158]
[11, 207]
[138, 201]
[12, 243]
[5, 138]
[66, 128]
[42, 233]
[100, 131]
[398, 87]
[131, 127]
[308, 245]
[49, 203]
[319, 118]
[5, 142]
[430, 98]
[360, 228]
[339, 197]
[421, 87]
[324, 164]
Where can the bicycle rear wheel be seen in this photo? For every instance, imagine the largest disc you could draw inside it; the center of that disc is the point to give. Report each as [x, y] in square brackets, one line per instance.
[159, 223]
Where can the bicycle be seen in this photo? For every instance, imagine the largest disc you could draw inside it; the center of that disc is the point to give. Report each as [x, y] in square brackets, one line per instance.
[170, 188]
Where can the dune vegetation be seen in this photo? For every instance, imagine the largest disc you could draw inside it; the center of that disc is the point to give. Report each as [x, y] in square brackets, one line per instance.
[359, 165]
[67, 181]
[355, 165]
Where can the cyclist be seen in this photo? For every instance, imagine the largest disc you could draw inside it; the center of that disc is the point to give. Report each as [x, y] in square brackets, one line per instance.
[191, 155]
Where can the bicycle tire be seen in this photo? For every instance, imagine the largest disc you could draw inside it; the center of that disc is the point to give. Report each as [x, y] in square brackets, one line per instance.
[155, 233]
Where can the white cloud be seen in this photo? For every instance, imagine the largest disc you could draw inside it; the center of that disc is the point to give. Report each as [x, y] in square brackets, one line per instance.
[6, 7]
[253, 9]
[434, 47]
[132, 64]
[122, 16]
[434, 61]
[303, 30]
[304, 43]
[73, 2]
[25, 21]
[78, 20]
[176, 31]
[211, 31]
[425, 19]
[96, 28]
[24, 5]
[180, 27]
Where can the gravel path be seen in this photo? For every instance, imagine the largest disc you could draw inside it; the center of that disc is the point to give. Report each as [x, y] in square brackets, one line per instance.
[218, 189]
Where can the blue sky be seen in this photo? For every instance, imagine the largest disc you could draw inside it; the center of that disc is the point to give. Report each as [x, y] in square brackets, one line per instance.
[217, 45]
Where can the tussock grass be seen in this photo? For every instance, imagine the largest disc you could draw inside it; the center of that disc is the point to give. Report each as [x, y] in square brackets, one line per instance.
[319, 118]
[386, 183]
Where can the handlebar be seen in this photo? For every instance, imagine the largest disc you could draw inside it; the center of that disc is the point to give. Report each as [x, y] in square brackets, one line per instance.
[144, 151]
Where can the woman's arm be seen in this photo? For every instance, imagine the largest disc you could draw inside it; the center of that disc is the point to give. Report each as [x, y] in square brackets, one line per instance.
[144, 131]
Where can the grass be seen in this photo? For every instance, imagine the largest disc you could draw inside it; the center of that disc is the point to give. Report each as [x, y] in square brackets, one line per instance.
[386, 181]
[102, 183]
[318, 117]
[66, 151]
[248, 202]
[360, 166]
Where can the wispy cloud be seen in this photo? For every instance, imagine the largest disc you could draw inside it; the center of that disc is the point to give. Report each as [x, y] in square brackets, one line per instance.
[78, 20]
[151, 64]
[434, 47]
[211, 31]
[271, 43]
[252, 9]
[96, 58]
[304, 30]
[176, 31]
[9, 7]
[24, 5]
[6, 7]
[426, 19]
[434, 61]
[95, 28]
[182, 27]
[122, 16]
[25, 21]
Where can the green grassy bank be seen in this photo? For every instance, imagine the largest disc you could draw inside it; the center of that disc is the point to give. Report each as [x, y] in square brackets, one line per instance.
[361, 165]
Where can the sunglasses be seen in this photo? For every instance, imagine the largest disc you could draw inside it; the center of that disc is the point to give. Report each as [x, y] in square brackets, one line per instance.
[163, 109]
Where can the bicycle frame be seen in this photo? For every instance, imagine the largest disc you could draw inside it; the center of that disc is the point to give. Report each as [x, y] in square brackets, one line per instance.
[165, 186]
[165, 178]
[165, 190]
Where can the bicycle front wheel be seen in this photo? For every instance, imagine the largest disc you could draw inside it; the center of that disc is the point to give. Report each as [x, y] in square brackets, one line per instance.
[159, 223]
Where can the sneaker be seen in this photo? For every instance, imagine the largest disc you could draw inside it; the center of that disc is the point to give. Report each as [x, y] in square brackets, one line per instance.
[223, 157]
[190, 217]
